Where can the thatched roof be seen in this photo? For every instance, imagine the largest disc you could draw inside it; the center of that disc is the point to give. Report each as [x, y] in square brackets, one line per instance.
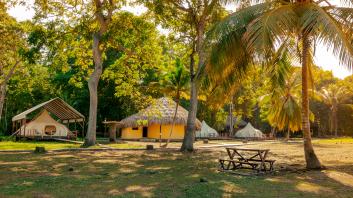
[161, 111]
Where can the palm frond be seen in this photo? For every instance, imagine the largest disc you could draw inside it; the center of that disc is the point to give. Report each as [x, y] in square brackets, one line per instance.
[342, 14]
[270, 28]
[228, 52]
[347, 2]
[279, 67]
[319, 22]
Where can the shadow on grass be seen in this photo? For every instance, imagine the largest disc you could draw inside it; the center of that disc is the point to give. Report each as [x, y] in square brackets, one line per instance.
[156, 174]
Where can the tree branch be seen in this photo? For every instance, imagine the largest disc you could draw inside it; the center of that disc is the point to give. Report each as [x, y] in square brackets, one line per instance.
[208, 9]
[11, 72]
[178, 6]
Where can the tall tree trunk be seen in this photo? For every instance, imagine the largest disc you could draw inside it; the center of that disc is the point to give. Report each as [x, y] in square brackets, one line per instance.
[188, 142]
[312, 162]
[334, 120]
[93, 81]
[3, 85]
[2, 97]
[288, 135]
[319, 134]
[331, 122]
[272, 133]
[174, 117]
[231, 124]
[189, 138]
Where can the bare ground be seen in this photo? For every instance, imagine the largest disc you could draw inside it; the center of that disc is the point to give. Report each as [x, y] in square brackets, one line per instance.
[172, 174]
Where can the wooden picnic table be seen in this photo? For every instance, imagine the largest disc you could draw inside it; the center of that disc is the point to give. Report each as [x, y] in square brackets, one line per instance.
[255, 159]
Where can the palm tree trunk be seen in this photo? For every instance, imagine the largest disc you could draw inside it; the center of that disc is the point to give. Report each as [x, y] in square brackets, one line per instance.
[273, 132]
[334, 120]
[174, 117]
[312, 162]
[231, 124]
[188, 142]
[288, 135]
[93, 81]
[331, 122]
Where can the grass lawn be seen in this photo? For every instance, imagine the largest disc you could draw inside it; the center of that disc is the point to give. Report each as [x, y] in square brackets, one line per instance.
[172, 174]
[347, 140]
[30, 145]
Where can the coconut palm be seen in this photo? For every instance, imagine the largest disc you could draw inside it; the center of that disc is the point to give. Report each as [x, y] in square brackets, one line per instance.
[285, 111]
[174, 84]
[333, 95]
[260, 31]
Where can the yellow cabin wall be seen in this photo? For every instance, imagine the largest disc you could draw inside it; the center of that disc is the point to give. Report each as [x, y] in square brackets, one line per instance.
[129, 133]
[153, 132]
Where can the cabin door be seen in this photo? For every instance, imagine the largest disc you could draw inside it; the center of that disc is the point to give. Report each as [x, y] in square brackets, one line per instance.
[145, 132]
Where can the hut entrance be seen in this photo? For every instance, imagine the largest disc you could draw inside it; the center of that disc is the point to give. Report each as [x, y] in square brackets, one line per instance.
[144, 132]
[50, 130]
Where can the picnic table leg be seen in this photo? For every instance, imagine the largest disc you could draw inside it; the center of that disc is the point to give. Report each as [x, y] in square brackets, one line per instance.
[271, 165]
[263, 158]
[232, 154]
[228, 166]
[221, 163]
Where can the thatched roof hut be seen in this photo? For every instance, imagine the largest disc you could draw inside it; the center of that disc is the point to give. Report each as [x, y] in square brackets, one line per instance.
[161, 111]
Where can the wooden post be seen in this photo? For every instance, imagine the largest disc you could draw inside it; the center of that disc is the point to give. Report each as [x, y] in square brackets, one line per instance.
[16, 126]
[105, 130]
[19, 123]
[160, 135]
[83, 129]
[112, 132]
[24, 126]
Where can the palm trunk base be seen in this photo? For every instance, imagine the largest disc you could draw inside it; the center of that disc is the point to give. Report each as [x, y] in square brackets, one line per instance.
[312, 162]
[188, 143]
[89, 142]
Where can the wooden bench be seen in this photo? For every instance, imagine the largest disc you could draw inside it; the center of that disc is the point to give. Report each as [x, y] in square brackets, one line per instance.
[269, 162]
[228, 164]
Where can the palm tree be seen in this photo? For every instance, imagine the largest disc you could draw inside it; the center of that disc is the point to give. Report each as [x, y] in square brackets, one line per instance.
[266, 28]
[333, 95]
[175, 84]
[285, 111]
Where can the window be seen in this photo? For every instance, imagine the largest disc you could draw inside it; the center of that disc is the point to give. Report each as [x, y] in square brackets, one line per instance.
[135, 128]
[50, 130]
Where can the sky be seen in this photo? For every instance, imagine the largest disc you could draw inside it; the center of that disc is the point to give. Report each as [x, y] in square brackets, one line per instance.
[323, 58]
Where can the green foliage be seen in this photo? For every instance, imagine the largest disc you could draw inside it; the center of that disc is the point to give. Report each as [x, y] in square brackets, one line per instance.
[140, 64]
[283, 104]
[173, 81]
[221, 118]
[133, 51]
[345, 116]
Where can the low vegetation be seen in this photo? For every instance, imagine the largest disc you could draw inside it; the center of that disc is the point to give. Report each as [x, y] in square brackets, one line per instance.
[31, 145]
[172, 174]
